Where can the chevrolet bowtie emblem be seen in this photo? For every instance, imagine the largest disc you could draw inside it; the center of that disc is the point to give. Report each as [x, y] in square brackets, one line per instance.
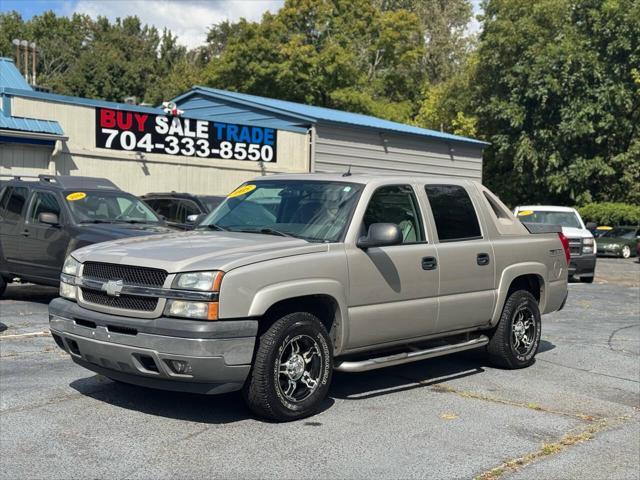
[113, 288]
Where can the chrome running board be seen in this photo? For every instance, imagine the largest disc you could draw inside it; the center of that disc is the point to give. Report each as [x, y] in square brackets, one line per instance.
[406, 357]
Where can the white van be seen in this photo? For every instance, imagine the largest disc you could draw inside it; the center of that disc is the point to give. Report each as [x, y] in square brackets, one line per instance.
[581, 241]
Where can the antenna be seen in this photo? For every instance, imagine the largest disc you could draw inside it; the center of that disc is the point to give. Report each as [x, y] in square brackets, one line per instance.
[347, 173]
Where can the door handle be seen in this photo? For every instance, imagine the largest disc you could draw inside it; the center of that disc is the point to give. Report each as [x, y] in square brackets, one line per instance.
[483, 259]
[25, 233]
[429, 263]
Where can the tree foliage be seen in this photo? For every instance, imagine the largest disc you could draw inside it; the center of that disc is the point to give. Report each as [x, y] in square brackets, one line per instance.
[557, 96]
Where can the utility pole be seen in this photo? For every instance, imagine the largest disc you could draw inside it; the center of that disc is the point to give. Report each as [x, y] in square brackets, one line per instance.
[25, 44]
[33, 65]
[16, 42]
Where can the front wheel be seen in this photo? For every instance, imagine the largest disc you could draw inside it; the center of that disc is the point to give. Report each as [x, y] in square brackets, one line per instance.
[626, 251]
[292, 369]
[515, 341]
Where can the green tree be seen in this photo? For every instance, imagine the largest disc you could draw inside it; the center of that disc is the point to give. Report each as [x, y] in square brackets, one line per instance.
[555, 94]
[339, 53]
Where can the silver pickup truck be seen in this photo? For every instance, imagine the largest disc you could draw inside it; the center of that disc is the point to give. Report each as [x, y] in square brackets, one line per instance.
[295, 276]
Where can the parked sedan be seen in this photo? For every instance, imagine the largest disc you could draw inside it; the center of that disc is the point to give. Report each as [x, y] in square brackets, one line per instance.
[619, 241]
[180, 210]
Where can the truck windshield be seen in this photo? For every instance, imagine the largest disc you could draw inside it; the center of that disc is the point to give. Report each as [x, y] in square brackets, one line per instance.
[108, 207]
[564, 219]
[317, 211]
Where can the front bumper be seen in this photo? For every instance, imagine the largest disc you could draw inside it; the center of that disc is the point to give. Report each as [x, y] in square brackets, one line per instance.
[142, 351]
[583, 265]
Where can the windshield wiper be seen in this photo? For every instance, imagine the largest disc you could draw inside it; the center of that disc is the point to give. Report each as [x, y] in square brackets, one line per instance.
[212, 226]
[132, 221]
[267, 231]
[96, 221]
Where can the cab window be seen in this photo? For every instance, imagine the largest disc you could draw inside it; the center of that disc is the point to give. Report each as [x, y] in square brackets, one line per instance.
[13, 203]
[396, 204]
[43, 202]
[453, 213]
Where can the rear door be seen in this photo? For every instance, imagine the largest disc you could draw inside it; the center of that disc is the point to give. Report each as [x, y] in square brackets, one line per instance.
[12, 209]
[45, 246]
[465, 256]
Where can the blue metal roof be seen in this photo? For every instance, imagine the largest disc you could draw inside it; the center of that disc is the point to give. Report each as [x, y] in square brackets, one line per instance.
[10, 76]
[30, 125]
[320, 114]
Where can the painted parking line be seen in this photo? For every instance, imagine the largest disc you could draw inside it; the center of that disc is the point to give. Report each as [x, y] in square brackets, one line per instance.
[25, 335]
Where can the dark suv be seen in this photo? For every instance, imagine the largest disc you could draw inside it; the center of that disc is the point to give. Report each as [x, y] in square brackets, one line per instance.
[181, 210]
[43, 219]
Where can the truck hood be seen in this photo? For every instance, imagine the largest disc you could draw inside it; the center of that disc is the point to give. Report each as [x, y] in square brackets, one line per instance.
[571, 232]
[192, 251]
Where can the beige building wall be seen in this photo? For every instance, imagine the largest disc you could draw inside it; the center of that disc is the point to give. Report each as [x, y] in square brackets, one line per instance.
[17, 159]
[142, 173]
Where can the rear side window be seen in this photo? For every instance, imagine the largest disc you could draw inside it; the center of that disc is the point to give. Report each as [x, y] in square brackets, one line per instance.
[43, 203]
[453, 212]
[15, 204]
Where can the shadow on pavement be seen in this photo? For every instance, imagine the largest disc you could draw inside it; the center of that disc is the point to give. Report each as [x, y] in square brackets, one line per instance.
[210, 409]
[425, 373]
[230, 407]
[30, 293]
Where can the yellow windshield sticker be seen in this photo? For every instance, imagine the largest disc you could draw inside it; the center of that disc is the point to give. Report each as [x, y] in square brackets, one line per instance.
[604, 227]
[72, 197]
[241, 191]
[525, 213]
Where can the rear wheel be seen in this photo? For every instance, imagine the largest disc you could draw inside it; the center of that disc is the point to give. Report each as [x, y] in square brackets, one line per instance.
[626, 251]
[516, 339]
[292, 369]
[3, 286]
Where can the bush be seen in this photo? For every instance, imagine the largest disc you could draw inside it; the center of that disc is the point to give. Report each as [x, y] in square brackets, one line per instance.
[609, 213]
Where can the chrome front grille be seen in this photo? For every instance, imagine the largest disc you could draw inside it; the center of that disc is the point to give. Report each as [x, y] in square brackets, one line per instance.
[124, 302]
[95, 295]
[575, 247]
[132, 275]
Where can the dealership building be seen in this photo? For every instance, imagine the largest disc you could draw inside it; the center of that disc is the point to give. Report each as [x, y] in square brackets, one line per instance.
[213, 141]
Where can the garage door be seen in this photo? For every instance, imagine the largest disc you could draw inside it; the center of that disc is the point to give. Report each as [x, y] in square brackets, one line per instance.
[16, 159]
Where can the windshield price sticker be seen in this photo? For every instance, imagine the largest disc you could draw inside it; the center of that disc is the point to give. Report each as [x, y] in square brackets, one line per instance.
[188, 137]
[72, 197]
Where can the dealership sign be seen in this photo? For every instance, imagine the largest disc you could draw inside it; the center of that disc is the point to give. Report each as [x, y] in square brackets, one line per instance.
[187, 137]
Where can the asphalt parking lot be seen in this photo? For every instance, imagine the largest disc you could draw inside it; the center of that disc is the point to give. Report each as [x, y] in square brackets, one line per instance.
[574, 414]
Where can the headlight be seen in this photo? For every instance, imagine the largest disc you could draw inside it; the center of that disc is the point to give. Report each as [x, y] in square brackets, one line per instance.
[68, 291]
[588, 245]
[71, 266]
[207, 281]
[197, 310]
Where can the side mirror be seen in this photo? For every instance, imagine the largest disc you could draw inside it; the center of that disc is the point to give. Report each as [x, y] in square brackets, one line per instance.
[196, 218]
[591, 226]
[381, 235]
[48, 218]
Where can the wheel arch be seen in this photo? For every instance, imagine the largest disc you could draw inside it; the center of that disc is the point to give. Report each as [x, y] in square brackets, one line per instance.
[527, 276]
[323, 298]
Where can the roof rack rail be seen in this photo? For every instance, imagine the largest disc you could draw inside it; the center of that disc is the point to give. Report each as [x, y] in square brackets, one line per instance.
[48, 178]
[17, 176]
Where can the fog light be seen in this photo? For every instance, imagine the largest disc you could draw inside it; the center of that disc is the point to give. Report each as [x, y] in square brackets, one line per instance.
[180, 367]
[67, 291]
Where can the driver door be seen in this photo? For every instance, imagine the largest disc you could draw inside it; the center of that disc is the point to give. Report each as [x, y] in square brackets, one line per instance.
[392, 290]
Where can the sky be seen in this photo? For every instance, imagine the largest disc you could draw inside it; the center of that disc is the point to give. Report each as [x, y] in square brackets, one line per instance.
[188, 19]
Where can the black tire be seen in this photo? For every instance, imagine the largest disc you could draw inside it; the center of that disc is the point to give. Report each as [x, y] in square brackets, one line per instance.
[502, 348]
[264, 391]
[3, 286]
[587, 279]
